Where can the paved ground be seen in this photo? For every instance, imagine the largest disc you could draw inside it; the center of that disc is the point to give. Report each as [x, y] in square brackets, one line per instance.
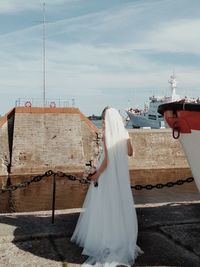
[169, 234]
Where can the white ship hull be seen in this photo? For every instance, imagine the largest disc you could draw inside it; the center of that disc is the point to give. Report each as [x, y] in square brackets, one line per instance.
[184, 119]
[191, 144]
[139, 121]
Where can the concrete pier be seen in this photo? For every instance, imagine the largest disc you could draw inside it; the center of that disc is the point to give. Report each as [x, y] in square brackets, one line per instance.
[168, 235]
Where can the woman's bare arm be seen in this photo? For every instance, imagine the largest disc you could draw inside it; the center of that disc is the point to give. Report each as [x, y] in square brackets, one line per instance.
[130, 148]
[103, 165]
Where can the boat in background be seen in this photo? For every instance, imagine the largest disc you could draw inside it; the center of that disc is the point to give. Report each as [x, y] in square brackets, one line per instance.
[184, 119]
[149, 117]
[94, 117]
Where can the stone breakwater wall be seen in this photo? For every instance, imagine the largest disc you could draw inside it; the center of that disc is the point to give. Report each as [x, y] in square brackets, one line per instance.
[34, 140]
[158, 157]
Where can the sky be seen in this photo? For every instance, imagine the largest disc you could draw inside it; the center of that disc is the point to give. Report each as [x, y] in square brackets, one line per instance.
[98, 52]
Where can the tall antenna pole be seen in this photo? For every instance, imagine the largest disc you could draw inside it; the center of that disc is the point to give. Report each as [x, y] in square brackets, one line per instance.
[44, 56]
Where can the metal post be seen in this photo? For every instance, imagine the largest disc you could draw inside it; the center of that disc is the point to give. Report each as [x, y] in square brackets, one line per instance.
[53, 197]
[44, 21]
[44, 57]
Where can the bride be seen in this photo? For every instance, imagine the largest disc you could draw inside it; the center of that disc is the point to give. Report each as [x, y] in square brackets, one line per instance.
[107, 228]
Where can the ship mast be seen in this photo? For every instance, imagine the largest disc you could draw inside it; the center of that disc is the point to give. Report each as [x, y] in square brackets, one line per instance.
[172, 82]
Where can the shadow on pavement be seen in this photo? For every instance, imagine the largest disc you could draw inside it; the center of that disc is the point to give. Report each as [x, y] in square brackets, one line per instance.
[36, 235]
[169, 235]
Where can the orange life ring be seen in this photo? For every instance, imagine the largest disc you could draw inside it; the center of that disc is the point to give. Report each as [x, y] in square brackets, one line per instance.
[28, 104]
[52, 105]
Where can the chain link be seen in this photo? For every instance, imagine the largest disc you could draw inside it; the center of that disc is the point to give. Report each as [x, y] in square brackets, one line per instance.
[86, 180]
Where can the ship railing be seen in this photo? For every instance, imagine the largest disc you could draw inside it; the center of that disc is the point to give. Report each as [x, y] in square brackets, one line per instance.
[37, 102]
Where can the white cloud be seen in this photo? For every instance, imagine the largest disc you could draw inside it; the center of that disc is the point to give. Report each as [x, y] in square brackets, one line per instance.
[176, 36]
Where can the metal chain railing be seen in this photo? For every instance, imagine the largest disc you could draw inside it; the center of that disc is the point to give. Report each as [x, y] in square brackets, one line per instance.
[71, 177]
[161, 185]
[38, 178]
[84, 180]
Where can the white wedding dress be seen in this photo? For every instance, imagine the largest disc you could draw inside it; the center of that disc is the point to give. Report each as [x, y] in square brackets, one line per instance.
[107, 228]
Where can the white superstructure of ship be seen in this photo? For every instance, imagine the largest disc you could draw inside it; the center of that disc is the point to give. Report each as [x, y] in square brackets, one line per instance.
[149, 117]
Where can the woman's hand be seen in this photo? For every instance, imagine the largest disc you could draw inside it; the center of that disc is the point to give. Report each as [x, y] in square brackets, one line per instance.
[94, 177]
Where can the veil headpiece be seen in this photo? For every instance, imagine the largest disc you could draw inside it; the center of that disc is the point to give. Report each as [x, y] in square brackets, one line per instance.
[115, 131]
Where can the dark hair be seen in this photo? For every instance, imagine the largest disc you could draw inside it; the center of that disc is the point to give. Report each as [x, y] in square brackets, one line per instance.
[104, 112]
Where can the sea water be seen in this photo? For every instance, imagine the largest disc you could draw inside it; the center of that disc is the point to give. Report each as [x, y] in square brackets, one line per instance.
[98, 123]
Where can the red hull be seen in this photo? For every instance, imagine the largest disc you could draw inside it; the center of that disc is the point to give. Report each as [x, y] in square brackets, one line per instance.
[182, 120]
[180, 116]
